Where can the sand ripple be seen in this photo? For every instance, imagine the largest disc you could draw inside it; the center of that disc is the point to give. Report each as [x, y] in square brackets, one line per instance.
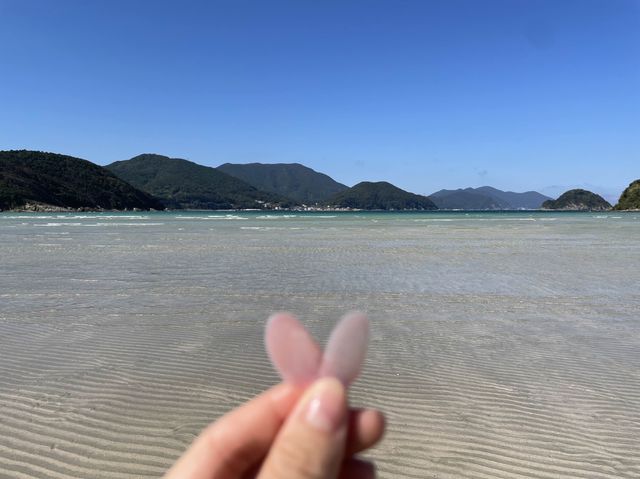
[499, 349]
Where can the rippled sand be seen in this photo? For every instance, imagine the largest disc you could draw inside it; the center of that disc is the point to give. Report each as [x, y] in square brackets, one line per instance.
[503, 346]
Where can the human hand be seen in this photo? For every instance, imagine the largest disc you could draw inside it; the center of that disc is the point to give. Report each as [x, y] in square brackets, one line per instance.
[288, 432]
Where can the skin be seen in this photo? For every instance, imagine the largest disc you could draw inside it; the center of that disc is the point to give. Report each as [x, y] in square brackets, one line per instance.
[287, 432]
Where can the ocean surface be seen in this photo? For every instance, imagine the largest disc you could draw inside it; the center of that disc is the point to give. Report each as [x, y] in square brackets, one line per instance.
[504, 345]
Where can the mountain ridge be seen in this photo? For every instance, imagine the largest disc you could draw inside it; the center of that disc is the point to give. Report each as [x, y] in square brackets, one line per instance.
[36, 178]
[487, 198]
[380, 195]
[44, 180]
[292, 180]
[183, 184]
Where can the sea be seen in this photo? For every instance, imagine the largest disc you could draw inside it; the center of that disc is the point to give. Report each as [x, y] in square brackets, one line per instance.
[503, 345]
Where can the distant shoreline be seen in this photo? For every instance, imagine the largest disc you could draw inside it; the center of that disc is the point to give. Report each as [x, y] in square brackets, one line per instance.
[31, 208]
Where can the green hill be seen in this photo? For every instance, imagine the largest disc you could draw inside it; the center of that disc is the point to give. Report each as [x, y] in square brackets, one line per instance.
[487, 198]
[292, 180]
[35, 177]
[380, 196]
[184, 184]
[630, 198]
[578, 200]
[467, 199]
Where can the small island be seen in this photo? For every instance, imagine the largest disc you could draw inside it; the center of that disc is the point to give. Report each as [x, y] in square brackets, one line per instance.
[578, 200]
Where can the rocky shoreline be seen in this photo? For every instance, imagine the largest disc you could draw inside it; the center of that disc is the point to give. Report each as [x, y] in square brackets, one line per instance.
[46, 208]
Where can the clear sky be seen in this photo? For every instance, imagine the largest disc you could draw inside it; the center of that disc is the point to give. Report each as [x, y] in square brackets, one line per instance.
[425, 94]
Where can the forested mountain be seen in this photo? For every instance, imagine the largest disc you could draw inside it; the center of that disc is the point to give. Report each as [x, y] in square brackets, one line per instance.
[49, 179]
[630, 198]
[528, 200]
[467, 199]
[183, 184]
[292, 180]
[487, 198]
[380, 196]
[578, 200]
[150, 181]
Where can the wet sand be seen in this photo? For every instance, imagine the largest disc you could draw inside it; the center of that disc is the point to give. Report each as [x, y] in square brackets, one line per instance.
[503, 346]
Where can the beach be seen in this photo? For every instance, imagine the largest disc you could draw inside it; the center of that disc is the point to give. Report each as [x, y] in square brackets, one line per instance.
[503, 345]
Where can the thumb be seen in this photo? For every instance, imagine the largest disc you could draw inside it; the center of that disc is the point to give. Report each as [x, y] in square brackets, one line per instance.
[311, 443]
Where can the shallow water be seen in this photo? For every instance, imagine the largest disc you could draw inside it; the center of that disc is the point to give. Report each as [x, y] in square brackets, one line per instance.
[503, 344]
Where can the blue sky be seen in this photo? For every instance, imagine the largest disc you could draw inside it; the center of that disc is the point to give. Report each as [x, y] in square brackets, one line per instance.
[425, 94]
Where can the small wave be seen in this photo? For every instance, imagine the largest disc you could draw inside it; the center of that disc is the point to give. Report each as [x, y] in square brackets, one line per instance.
[24, 217]
[424, 220]
[54, 225]
[105, 217]
[212, 217]
[263, 228]
[118, 224]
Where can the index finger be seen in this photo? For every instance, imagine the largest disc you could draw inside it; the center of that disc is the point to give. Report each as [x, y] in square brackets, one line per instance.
[240, 439]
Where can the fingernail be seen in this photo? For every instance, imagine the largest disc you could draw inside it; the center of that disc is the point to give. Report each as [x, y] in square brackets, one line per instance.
[325, 408]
